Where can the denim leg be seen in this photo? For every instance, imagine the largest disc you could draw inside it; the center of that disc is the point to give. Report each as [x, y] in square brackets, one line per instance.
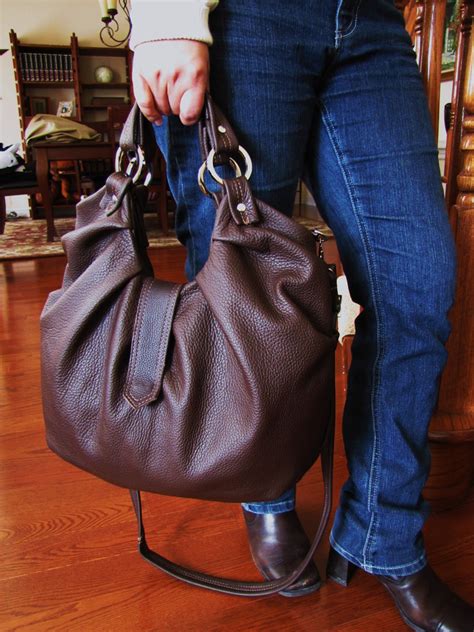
[285, 502]
[269, 99]
[373, 168]
[334, 87]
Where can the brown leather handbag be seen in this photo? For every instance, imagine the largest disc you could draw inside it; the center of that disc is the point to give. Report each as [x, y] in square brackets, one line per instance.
[218, 389]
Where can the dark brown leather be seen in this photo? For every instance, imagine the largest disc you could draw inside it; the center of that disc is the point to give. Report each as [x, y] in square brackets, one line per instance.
[278, 544]
[215, 132]
[244, 588]
[424, 601]
[138, 131]
[235, 397]
[239, 197]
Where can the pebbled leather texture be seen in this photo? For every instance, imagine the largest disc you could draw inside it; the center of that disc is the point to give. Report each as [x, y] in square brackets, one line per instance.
[220, 388]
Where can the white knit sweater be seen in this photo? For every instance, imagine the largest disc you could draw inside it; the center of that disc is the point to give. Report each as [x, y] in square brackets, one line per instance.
[170, 19]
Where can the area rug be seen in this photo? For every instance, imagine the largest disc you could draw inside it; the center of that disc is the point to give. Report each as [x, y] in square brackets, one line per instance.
[26, 238]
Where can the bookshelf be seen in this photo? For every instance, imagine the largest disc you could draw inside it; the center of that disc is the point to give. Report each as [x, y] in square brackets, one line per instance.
[47, 73]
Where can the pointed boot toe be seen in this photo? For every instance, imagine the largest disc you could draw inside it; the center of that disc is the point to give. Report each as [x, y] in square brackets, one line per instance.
[424, 601]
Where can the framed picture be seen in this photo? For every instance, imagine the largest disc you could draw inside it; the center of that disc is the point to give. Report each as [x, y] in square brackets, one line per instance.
[65, 108]
[38, 105]
[450, 38]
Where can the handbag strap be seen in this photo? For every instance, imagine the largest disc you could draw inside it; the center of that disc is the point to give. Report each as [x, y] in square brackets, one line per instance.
[246, 588]
[215, 132]
[137, 132]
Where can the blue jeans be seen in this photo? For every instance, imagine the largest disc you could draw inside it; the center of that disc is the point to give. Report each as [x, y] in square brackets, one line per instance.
[330, 91]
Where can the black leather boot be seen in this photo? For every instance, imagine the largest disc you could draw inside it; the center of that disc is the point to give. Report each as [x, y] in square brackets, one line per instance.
[424, 601]
[278, 544]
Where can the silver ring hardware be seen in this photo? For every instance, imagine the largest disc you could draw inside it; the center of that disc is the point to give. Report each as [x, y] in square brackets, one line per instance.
[216, 176]
[202, 170]
[137, 162]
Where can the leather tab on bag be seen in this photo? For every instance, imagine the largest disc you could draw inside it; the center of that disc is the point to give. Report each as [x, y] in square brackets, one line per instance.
[241, 202]
[151, 332]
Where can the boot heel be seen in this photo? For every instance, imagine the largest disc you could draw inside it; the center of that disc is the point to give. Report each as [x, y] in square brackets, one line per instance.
[339, 569]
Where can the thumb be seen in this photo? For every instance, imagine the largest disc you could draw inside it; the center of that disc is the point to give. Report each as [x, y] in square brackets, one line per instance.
[191, 105]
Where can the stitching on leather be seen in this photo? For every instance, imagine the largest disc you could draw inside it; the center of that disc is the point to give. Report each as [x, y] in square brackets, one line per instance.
[136, 328]
[163, 348]
[241, 193]
[227, 142]
[239, 187]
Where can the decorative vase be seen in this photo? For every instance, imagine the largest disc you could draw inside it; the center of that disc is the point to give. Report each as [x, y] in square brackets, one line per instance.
[104, 74]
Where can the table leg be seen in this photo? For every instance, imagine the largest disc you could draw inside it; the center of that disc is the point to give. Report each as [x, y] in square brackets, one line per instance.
[42, 167]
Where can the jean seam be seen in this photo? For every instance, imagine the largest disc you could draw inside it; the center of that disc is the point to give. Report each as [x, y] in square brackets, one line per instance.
[353, 23]
[337, 30]
[340, 34]
[181, 189]
[418, 563]
[374, 468]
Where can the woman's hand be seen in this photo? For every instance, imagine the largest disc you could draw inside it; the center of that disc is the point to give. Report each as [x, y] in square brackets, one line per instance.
[171, 76]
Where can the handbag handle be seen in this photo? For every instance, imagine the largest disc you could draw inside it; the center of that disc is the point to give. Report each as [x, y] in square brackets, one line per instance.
[246, 588]
[215, 131]
[215, 134]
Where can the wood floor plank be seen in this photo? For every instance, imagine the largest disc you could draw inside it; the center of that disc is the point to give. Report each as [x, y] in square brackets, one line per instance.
[68, 540]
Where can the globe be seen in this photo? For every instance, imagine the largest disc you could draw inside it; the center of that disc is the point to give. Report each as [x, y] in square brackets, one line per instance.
[104, 74]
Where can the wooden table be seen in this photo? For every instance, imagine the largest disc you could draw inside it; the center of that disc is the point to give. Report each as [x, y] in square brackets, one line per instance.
[45, 152]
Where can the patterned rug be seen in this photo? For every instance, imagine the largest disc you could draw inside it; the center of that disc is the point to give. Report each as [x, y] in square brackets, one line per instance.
[25, 238]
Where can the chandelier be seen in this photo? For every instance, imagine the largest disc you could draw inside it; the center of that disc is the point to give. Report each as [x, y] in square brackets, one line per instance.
[109, 33]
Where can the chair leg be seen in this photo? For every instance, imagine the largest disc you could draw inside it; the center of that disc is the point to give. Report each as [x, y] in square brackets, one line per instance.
[3, 213]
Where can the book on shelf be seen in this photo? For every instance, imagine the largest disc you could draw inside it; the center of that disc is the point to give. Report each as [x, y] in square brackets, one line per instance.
[50, 67]
[34, 57]
[54, 66]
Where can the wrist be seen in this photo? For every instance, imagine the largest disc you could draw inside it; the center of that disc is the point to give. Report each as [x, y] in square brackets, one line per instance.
[170, 19]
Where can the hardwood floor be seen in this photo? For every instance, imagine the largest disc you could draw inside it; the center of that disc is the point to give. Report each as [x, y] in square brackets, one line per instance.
[68, 540]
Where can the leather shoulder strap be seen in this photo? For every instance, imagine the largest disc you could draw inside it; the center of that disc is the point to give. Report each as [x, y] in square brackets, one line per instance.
[245, 588]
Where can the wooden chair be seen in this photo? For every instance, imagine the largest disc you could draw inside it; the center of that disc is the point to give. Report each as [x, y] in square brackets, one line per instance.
[451, 431]
[15, 186]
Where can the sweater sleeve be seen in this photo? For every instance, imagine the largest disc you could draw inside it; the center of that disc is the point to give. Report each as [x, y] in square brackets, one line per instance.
[170, 19]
